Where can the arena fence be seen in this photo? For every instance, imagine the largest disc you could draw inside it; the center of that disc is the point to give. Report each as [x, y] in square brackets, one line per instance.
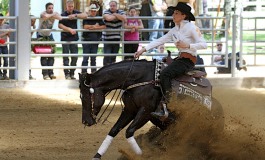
[211, 33]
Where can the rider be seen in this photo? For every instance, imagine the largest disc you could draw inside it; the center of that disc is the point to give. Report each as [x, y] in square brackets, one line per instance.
[188, 39]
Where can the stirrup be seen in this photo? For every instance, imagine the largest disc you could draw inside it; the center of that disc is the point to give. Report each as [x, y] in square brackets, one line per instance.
[163, 114]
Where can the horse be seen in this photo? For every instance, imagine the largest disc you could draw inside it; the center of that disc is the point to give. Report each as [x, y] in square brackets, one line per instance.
[140, 96]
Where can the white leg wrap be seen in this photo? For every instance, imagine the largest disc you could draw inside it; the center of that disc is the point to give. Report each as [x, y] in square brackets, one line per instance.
[105, 145]
[134, 145]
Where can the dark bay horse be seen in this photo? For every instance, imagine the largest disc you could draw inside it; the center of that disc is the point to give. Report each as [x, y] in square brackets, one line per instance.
[140, 98]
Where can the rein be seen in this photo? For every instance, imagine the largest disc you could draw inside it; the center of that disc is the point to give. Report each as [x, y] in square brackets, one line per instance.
[118, 95]
[91, 90]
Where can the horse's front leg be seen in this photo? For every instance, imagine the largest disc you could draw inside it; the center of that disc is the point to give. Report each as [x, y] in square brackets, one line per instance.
[124, 119]
[139, 121]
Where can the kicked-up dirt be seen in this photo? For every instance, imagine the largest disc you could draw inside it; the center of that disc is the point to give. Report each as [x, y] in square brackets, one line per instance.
[46, 124]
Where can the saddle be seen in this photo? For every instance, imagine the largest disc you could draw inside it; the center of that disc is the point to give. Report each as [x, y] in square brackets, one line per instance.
[193, 83]
[195, 77]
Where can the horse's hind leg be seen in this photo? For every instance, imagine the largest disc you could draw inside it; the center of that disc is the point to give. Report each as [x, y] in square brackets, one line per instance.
[124, 119]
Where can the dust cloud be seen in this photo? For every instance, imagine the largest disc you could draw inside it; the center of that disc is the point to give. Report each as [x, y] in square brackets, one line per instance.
[197, 134]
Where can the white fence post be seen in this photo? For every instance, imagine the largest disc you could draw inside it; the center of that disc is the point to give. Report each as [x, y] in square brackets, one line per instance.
[23, 39]
[234, 39]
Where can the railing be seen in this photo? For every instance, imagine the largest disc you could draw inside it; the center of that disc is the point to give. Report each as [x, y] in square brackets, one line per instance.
[142, 43]
[207, 53]
[12, 53]
[256, 44]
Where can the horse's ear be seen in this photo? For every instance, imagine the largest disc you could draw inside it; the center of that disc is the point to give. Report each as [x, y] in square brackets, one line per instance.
[85, 77]
[81, 76]
[88, 78]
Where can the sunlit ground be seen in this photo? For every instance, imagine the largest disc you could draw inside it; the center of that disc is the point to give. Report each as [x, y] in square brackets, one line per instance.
[67, 94]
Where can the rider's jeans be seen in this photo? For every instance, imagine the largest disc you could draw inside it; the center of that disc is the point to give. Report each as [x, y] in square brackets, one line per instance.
[177, 68]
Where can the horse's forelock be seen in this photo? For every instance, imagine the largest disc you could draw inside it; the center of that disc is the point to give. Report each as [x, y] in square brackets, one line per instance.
[88, 78]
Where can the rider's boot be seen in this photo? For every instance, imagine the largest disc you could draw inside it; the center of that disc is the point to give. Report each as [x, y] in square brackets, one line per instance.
[163, 113]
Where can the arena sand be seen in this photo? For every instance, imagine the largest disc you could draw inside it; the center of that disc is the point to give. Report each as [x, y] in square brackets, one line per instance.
[47, 125]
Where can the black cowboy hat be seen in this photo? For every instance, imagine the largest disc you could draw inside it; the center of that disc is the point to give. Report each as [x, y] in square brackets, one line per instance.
[186, 9]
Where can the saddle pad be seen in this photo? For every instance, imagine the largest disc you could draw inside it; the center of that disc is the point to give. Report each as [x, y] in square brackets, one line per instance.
[202, 94]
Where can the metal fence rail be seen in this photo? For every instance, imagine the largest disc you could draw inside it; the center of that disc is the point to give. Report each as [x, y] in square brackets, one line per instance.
[208, 52]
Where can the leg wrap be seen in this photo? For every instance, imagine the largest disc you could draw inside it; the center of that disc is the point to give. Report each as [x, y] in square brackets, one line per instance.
[105, 145]
[134, 145]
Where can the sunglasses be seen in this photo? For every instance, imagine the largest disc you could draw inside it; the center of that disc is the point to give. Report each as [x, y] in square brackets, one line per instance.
[219, 45]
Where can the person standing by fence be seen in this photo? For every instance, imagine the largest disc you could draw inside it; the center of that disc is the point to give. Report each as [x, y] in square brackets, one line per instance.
[3, 48]
[157, 9]
[46, 22]
[113, 18]
[91, 24]
[133, 35]
[32, 26]
[70, 34]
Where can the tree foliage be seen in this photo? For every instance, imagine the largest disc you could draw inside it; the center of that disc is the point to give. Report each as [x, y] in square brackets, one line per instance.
[4, 6]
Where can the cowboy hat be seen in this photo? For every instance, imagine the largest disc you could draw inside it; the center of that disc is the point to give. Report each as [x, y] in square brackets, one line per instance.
[93, 7]
[186, 9]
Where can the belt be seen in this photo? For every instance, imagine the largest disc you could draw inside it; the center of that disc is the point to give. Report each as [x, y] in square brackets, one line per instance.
[188, 55]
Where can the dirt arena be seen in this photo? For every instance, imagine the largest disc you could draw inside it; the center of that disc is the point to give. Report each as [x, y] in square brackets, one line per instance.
[46, 124]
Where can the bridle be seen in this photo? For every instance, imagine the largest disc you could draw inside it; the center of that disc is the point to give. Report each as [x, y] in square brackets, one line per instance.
[91, 89]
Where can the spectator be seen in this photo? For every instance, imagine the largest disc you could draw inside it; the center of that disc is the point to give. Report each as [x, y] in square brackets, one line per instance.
[133, 35]
[92, 24]
[46, 22]
[145, 11]
[113, 18]
[157, 9]
[33, 26]
[220, 60]
[160, 50]
[3, 48]
[70, 34]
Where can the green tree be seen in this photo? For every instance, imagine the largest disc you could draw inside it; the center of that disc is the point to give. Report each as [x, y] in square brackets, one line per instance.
[4, 6]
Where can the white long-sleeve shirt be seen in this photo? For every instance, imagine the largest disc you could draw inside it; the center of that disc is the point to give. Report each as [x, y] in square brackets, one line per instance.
[185, 32]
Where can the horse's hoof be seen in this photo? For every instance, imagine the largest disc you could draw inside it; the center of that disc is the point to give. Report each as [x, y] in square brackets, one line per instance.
[97, 157]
